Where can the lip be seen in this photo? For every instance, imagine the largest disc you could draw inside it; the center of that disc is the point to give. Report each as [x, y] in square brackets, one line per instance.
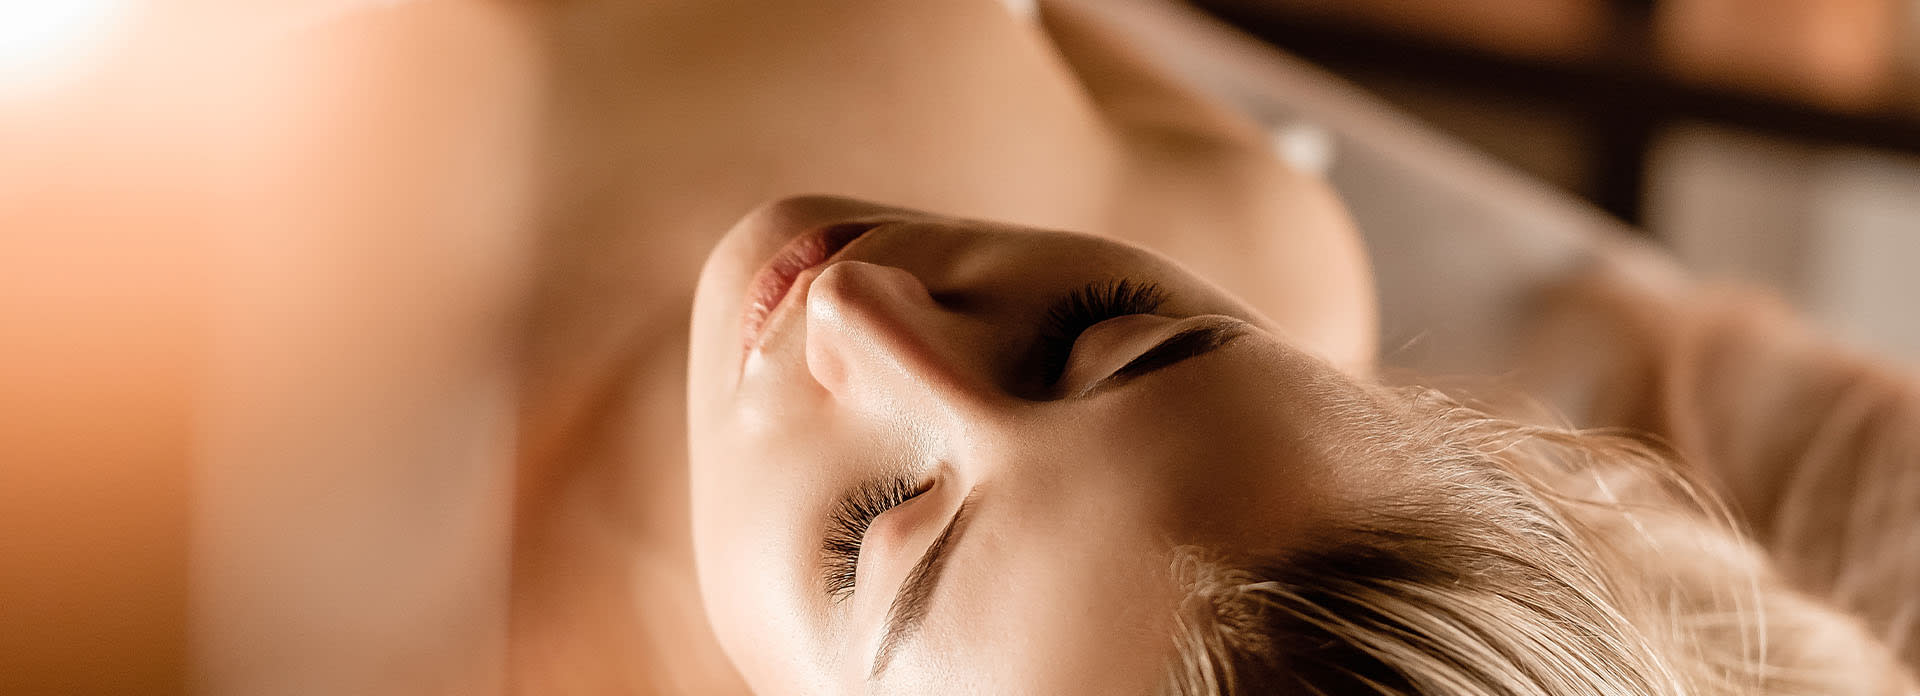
[774, 281]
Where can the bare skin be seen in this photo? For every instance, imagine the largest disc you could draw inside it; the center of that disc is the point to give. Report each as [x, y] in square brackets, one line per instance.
[448, 250]
[380, 345]
[961, 107]
[1047, 502]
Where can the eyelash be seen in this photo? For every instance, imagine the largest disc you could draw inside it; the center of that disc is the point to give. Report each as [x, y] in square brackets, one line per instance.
[1086, 306]
[1065, 320]
[847, 527]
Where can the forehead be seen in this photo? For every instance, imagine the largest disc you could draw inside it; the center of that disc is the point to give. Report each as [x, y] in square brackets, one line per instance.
[1063, 585]
[1061, 602]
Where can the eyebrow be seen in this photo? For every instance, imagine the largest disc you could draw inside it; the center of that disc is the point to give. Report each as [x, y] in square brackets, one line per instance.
[909, 609]
[1188, 344]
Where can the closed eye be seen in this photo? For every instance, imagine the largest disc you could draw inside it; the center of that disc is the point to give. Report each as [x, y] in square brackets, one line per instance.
[848, 523]
[1085, 307]
[1184, 345]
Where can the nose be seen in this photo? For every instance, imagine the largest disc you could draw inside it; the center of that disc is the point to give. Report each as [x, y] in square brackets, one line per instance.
[878, 341]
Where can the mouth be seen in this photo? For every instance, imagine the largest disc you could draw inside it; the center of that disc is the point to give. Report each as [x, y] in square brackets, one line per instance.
[774, 281]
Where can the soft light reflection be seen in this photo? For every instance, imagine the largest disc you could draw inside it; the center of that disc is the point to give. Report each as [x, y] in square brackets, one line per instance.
[40, 39]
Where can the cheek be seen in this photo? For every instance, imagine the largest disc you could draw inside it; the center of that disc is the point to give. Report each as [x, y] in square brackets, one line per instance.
[757, 501]
[750, 585]
[740, 524]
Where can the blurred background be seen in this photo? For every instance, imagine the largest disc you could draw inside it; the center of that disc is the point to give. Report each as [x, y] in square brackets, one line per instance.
[1769, 141]
[172, 378]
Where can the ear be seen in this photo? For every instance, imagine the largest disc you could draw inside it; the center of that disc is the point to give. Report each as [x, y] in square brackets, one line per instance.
[1127, 87]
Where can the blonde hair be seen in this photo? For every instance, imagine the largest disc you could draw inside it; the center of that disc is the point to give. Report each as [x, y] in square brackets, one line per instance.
[1511, 559]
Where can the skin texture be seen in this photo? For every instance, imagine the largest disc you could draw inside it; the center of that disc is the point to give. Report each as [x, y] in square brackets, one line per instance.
[673, 120]
[908, 348]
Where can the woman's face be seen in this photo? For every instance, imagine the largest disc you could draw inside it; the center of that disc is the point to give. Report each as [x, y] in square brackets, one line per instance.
[955, 456]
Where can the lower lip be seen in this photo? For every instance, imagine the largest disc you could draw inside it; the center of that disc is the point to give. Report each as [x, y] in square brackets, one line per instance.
[773, 281]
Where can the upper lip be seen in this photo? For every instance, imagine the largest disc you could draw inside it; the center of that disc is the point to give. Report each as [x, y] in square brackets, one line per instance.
[773, 281]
